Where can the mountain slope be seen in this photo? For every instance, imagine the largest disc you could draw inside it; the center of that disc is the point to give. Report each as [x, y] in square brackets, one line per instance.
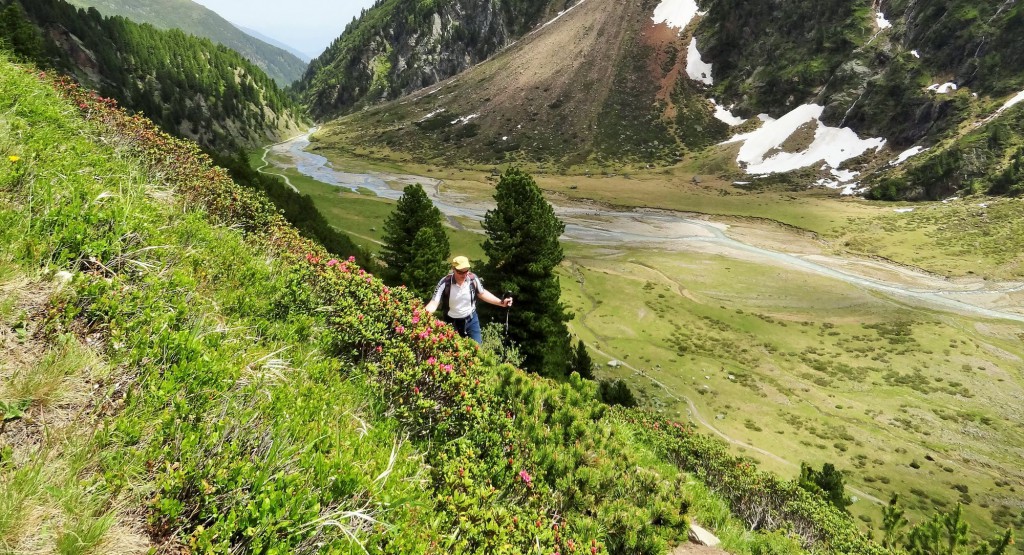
[399, 46]
[601, 82]
[841, 91]
[192, 18]
[189, 86]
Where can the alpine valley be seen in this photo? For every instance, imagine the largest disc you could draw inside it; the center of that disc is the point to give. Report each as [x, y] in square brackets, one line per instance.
[767, 263]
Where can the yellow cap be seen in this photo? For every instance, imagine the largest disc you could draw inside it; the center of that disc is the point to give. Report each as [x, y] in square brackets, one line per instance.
[460, 263]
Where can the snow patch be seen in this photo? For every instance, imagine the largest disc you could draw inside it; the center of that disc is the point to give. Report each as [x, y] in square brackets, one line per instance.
[881, 21]
[906, 154]
[464, 119]
[844, 175]
[561, 13]
[741, 183]
[696, 68]
[430, 115]
[943, 88]
[724, 115]
[915, 54]
[1012, 101]
[676, 13]
[902, 210]
[832, 144]
[852, 189]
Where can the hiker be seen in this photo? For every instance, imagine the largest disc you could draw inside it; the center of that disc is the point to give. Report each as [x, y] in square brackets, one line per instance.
[457, 292]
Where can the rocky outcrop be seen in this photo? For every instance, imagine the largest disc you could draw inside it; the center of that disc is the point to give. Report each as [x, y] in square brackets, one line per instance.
[398, 49]
[82, 58]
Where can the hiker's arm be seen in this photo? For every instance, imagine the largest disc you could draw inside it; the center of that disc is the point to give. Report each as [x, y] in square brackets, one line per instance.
[489, 297]
[436, 300]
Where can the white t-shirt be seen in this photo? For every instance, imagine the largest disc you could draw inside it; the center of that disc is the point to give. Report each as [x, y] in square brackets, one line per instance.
[460, 298]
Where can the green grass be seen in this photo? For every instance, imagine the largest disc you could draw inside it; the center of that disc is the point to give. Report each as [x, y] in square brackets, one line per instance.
[362, 216]
[812, 371]
[172, 295]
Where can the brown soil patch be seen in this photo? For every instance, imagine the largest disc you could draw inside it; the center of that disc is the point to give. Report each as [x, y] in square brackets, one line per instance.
[800, 139]
[63, 380]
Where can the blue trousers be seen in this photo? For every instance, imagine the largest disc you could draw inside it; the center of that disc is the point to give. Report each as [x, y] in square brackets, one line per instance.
[468, 327]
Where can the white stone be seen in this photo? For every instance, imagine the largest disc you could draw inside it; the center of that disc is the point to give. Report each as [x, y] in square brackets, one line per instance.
[701, 536]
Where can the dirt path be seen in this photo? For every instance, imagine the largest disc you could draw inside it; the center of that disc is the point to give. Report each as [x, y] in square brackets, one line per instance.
[266, 150]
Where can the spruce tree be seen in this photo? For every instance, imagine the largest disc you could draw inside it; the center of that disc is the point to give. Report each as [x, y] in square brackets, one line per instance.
[522, 251]
[827, 482]
[582, 364]
[415, 248]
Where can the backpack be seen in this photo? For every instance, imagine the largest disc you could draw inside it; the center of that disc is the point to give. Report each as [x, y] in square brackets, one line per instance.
[474, 289]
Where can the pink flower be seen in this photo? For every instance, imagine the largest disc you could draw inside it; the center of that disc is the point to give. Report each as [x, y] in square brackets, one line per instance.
[431, 361]
[525, 476]
[415, 319]
[446, 367]
[332, 262]
[399, 329]
[351, 259]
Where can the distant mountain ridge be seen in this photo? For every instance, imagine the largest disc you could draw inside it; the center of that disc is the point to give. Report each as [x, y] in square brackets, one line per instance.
[281, 65]
[398, 47]
[274, 42]
[190, 86]
[903, 99]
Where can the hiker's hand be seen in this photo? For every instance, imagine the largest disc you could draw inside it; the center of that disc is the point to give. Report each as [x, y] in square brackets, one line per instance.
[506, 302]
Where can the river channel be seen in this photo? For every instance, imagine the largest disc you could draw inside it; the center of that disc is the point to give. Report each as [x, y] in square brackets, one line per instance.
[662, 229]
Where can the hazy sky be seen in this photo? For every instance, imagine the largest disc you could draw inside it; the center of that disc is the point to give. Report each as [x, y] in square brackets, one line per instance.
[306, 25]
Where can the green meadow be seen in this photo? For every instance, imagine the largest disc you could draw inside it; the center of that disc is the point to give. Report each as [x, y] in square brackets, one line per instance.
[901, 399]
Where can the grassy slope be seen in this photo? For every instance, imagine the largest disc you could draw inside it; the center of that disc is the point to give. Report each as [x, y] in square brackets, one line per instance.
[804, 380]
[814, 372]
[172, 298]
[237, 397]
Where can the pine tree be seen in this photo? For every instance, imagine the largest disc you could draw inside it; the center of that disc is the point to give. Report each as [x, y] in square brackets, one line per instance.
[827, 482]
[522, 249]
[582, 364]
[894, 523]
[19, 35]
[415, 248]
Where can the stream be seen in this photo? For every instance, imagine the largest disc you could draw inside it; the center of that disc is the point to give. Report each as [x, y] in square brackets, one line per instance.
[669, 230]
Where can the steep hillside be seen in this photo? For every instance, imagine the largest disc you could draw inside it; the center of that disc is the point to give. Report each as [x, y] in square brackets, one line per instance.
[217, 383]
[192, 18]
[838, 94]
[601, 82]
[400, 46]
[189, 86]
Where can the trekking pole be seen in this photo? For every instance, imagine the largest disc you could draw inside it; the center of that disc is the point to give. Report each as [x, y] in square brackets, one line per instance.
[506, 295]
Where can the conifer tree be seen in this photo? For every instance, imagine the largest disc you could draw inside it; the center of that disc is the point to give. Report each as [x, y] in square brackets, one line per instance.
[582, 364]
[522, 251]
[894, 523]
[19, 35]
[415, 248]
[827, 482]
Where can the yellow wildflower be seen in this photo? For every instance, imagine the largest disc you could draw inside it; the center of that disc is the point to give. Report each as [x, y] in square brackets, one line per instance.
[14, 158]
